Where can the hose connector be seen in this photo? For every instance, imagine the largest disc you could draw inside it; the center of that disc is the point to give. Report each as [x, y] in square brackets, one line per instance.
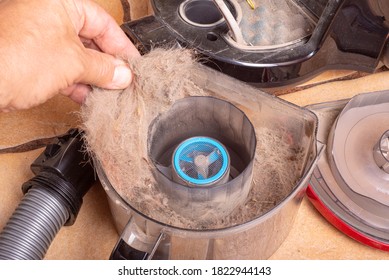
[53, 198]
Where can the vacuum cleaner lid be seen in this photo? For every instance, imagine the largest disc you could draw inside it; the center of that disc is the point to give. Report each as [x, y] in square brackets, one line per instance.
[350, 185]
[270, 43]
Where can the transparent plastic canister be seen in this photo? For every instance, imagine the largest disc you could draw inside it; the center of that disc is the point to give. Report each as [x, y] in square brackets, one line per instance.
[142, 237]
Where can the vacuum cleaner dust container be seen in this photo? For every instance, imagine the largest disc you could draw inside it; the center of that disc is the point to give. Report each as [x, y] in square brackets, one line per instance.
[231, 167]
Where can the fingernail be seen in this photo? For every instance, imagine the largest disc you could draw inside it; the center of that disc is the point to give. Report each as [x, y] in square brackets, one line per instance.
[122, 77]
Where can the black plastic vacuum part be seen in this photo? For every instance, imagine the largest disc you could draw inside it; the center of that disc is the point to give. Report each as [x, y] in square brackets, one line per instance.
[65, 167]
[349, 34]
[52, 198]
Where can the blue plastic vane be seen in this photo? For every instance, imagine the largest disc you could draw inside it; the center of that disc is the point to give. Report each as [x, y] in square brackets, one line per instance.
[200, 160]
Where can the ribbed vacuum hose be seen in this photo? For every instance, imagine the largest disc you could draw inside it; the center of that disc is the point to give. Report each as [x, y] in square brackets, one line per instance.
[33, 226]
[52, 199]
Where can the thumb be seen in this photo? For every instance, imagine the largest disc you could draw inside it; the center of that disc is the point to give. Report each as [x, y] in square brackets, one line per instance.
[104, 70]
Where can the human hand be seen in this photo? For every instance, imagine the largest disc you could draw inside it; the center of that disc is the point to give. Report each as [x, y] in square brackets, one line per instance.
[63, 46]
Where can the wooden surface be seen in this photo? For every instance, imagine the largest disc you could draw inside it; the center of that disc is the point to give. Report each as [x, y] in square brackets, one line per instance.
[93, 235]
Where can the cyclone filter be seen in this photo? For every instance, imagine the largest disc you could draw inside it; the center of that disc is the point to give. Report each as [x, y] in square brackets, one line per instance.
[203, 152]
[201, 161]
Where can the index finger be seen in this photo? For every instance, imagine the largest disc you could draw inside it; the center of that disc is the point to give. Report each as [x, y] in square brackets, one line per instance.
[100, 27]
